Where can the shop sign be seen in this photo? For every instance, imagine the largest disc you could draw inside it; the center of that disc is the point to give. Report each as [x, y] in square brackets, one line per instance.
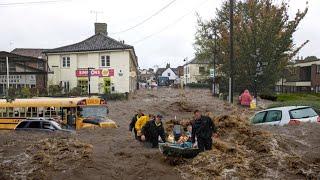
[95, 72]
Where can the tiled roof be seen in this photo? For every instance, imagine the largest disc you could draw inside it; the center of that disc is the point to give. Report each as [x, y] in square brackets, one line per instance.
[198, 61]
[37, 53]
[96, 42]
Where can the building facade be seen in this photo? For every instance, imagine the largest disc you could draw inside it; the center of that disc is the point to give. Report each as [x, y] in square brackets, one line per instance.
[301, 76]
[195, 71]
[24, 71]
[112, 65]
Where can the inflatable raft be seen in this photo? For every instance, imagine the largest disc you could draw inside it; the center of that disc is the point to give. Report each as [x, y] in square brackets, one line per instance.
[177, 150]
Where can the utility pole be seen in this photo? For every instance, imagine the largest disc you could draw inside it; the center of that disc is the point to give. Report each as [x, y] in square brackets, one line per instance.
[8, 84]
[231, 54]
[89, 80]
[214, 60]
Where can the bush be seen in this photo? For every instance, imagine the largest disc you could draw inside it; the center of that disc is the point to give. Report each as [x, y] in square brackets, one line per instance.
[268, 97]
[25, 92]
[76, 91]
[55, 90]
[198, 85]
[115, 96]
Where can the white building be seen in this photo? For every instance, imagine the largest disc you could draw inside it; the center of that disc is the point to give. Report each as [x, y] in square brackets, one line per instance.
[113, 64]
[195, 71]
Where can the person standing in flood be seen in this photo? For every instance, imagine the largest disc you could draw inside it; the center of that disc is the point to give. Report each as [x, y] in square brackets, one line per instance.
[245, 98]
[133, 122]
[203, 130]
[152, 130]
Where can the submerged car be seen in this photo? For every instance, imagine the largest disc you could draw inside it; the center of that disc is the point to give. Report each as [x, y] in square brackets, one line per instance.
[40, 125]
[285, 115]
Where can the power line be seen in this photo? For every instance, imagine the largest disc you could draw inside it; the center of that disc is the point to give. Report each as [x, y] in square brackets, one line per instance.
[169, 25]
[147, 19]
[32, 2]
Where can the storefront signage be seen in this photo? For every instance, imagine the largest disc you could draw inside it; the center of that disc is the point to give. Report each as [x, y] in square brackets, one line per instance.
[95, 72]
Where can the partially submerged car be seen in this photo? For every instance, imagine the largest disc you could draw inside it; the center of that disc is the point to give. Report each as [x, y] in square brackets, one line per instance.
[285, 115]
[40, 125]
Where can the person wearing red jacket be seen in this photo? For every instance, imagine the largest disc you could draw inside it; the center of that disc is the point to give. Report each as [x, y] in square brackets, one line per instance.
[245, 98]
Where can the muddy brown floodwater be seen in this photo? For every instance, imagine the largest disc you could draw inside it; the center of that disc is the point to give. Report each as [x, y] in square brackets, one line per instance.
[114, 154]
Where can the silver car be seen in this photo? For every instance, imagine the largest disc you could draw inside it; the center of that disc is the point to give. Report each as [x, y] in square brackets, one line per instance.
[285, 115]
[40, 125]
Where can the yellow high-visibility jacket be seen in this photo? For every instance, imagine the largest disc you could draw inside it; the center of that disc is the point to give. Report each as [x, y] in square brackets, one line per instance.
[140, 123]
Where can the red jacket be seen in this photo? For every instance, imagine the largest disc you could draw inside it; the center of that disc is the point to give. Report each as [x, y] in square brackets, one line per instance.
[245, 98]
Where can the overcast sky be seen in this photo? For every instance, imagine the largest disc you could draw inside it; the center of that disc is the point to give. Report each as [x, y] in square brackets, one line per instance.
[166, 38]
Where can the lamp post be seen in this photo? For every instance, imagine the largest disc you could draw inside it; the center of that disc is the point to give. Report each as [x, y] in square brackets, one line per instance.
[231, 53]
[89, 80]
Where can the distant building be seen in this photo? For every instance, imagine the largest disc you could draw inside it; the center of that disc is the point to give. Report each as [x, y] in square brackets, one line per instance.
[24, 71]
[195, 71]
[301, 76]
[146, 75]
[167, 76]
[113, 64]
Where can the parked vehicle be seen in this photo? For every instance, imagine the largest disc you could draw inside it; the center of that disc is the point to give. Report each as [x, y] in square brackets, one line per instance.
[285, 115]
[40, 125]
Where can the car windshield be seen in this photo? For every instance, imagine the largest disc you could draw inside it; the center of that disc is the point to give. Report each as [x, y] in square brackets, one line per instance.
[302, 113]
[94, 111]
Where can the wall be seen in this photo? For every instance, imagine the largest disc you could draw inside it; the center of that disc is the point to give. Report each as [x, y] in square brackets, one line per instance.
[119, 61]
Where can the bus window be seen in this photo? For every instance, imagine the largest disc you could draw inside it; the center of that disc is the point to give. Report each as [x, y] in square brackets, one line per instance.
[34, 111]
[29, 112]
[2, 110]
[41, 111]
[22, 112]
[9, 111]
[53, 111]
[16, 112]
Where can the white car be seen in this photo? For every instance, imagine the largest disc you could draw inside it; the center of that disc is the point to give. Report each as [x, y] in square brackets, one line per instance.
[285, 115]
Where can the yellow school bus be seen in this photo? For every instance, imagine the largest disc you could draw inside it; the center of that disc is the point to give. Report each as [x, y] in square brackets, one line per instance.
[76, 113]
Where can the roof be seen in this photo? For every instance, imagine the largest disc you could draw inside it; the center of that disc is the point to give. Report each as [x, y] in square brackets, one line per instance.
[285, 108]
[198, 61]
[96, 42]
[160, 71]
[42, 102]
[32, 52]
[17, 57]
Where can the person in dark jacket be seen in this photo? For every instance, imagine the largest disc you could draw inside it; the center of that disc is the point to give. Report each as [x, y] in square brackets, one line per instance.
[203, 129]
[133, 122]
[152, 130]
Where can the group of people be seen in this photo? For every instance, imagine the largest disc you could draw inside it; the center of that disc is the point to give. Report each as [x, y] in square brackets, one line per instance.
[148, 129]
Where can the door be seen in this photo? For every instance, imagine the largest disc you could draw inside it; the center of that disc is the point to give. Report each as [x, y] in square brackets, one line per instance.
[106, 85]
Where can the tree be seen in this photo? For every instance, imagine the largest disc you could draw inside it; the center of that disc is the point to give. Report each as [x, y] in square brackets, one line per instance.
[263, 42]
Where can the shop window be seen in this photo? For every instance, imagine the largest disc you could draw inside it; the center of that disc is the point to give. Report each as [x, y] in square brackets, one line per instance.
[83, 84]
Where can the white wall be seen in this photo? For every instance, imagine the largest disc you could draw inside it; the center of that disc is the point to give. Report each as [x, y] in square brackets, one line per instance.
[119, 61]
[172, 76]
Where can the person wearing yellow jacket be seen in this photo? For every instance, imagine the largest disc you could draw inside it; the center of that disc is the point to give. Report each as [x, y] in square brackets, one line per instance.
[140, 123]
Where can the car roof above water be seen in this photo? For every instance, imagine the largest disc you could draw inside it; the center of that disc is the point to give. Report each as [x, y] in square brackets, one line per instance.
[285, 108]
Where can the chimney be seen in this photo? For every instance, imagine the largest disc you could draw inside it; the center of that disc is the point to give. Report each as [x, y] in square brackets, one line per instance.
[100, 28]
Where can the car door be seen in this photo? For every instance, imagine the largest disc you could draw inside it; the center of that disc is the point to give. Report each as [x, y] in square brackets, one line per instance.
[273, 117]
[258, 118]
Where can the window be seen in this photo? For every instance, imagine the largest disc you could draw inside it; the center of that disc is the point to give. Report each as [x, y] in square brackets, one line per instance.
[105, 61]
[66, 62]
[66, 86]
[169, 74]
[273, 116]
[41, 65]
[34, 124]
[302, 113]
[201, 70]
[22, 124]
[83, 84]
[258, 118]
[12, 67]
[3, 67]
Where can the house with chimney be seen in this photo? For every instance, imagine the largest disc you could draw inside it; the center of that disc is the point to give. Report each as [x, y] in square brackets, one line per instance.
[99, 63]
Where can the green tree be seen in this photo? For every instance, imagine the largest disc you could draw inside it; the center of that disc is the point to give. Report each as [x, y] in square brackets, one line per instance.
[263, 42]
[25, 92]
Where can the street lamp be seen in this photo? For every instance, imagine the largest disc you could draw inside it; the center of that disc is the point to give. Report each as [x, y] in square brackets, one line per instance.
[89, 75]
